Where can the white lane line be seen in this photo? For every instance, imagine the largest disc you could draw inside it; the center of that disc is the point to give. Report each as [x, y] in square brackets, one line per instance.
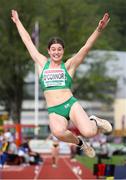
[38, 169]
[69, 165]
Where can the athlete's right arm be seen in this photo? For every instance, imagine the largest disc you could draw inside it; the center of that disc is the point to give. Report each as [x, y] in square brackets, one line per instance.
[36, 56]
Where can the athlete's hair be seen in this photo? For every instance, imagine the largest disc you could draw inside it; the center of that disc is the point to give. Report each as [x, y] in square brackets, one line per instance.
[55, 40]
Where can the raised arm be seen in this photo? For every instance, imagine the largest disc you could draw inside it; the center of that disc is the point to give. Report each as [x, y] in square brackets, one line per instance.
[77, 59]
[36, 56]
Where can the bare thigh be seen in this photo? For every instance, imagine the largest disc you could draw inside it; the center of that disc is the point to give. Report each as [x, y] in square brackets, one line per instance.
[58, 124]
[81, 120]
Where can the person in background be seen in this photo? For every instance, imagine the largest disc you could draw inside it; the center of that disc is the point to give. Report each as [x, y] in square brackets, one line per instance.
[31, 157]
[56, 79]
[12, 152]
[3, 151]
[55, 151]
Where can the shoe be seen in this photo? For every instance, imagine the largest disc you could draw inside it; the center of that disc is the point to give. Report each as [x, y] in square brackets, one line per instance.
[103, 125]
[87, 149]
[54, 165]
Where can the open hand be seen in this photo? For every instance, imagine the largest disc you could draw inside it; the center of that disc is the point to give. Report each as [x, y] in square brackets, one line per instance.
[14, 16]
[103, 22]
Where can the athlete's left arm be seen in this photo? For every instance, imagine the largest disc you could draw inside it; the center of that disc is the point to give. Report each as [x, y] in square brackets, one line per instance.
[77, 59]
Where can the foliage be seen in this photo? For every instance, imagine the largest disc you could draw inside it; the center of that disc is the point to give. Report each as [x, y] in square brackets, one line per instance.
[98, 85]
[74, 21]
[14, 63]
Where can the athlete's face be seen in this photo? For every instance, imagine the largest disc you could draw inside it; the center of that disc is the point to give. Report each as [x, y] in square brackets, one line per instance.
[56, 52]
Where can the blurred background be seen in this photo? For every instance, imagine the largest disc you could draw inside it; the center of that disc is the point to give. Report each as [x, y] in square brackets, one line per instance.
[99, 84]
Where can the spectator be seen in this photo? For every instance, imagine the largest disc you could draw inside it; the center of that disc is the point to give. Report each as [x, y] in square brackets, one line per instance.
[104, 151]
[12, 153]
[7, 134]
[30, 156]
[3, 151]
[55, 151]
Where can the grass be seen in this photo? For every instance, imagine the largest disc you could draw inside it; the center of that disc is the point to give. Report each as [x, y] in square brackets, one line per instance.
[89, 162]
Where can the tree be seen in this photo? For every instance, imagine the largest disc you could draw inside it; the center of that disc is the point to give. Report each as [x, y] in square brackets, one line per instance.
[95, 84]
[74, 21]
[14, 60]
[117, 29]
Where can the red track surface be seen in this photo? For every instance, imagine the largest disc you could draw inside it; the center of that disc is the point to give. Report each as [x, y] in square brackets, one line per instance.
[45, 171]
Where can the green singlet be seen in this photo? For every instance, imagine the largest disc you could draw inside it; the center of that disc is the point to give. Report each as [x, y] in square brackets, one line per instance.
[51, 79]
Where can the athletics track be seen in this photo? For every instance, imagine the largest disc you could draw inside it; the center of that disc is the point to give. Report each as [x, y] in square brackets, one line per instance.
[65, 170]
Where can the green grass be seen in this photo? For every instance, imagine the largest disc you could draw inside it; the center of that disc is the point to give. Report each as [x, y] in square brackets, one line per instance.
[89, 162]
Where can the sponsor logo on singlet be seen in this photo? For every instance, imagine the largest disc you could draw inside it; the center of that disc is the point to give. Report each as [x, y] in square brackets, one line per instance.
[54, 77]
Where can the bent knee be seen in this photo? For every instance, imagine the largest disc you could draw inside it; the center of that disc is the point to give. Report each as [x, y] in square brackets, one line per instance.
[58, 133]
[87, 132]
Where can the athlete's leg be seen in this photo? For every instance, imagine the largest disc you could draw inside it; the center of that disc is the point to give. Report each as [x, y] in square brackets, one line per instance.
[53, 157]
[81, 120]
[58, 126]
[88, 127]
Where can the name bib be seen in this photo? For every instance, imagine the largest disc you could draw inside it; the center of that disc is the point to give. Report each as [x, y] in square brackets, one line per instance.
[54, 77]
